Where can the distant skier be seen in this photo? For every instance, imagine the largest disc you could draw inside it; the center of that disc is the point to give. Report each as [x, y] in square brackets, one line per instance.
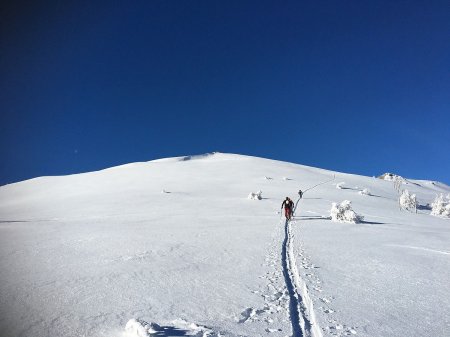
[288, 205]
[300, 193]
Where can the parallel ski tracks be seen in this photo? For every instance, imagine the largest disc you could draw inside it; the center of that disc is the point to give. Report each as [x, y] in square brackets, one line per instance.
[304, 323]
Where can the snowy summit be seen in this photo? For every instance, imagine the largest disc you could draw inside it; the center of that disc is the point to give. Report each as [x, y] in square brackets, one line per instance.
[199, 246]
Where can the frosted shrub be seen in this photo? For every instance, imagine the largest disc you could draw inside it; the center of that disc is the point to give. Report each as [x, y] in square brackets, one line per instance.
[343, 212]
[446, 212]
[408, 201]
[365, 192]
[139, 328]
[255, 196]
[440, 206]
[340, 185]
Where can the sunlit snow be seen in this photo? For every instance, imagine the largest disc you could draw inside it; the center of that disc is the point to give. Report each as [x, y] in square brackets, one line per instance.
[178, 247]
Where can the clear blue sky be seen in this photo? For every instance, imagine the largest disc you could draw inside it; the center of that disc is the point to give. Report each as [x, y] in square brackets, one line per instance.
[355, 86]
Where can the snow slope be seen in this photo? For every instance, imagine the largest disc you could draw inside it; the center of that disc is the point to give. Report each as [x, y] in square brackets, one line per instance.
[177, 244]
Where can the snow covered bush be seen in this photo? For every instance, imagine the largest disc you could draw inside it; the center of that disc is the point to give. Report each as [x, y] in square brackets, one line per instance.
[340, 185]
[139, 328]
[255, 196]
[408, 201]
[343, 212]
[365, 192]
[441, 206]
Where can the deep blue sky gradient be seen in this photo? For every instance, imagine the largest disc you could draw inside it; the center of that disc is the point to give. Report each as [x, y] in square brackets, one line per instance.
[353, 86]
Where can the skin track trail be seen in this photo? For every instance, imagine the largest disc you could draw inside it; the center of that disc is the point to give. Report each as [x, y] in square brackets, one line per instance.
[294, 311]
[301, 309]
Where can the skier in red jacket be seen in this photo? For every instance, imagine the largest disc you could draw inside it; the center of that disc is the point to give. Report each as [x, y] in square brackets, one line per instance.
[288, 205]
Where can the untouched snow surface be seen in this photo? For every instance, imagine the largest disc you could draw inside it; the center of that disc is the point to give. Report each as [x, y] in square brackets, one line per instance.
[174, 247]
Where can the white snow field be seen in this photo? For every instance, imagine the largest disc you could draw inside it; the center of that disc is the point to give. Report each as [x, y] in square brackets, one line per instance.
[175, 247]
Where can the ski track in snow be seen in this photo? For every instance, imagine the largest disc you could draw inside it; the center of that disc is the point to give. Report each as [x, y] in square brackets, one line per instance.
[303, 318]
[422, 248]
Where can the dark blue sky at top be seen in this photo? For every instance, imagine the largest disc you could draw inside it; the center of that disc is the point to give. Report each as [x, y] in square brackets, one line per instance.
[353, 86]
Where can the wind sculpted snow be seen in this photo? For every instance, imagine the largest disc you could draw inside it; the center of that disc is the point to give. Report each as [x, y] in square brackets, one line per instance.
[86, 254]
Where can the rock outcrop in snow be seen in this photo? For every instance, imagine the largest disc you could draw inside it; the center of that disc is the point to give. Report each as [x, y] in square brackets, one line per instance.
[391, 177]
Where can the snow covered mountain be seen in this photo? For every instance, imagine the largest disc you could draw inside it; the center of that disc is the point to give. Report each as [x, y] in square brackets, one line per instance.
[174, 247]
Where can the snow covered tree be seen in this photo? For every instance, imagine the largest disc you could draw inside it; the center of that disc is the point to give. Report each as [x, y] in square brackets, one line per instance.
[440, 206]
[408, 201]
[255, 196]
[343, 212]
[398, 182]
[365, 192]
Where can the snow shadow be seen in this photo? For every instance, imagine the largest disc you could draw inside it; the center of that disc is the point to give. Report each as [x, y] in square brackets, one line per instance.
[26, 221]
[359, 190]
[424, 207]
[13, 221]
[348, 188]
[372, 222]
[169, 331]
[309, 217]
[138, 327]
[376, 196]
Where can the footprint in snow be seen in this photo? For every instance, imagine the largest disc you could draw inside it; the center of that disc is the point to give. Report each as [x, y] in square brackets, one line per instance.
[325, 300]
[179, 327]
[276, 296]
[273, 330]
[247, 314]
